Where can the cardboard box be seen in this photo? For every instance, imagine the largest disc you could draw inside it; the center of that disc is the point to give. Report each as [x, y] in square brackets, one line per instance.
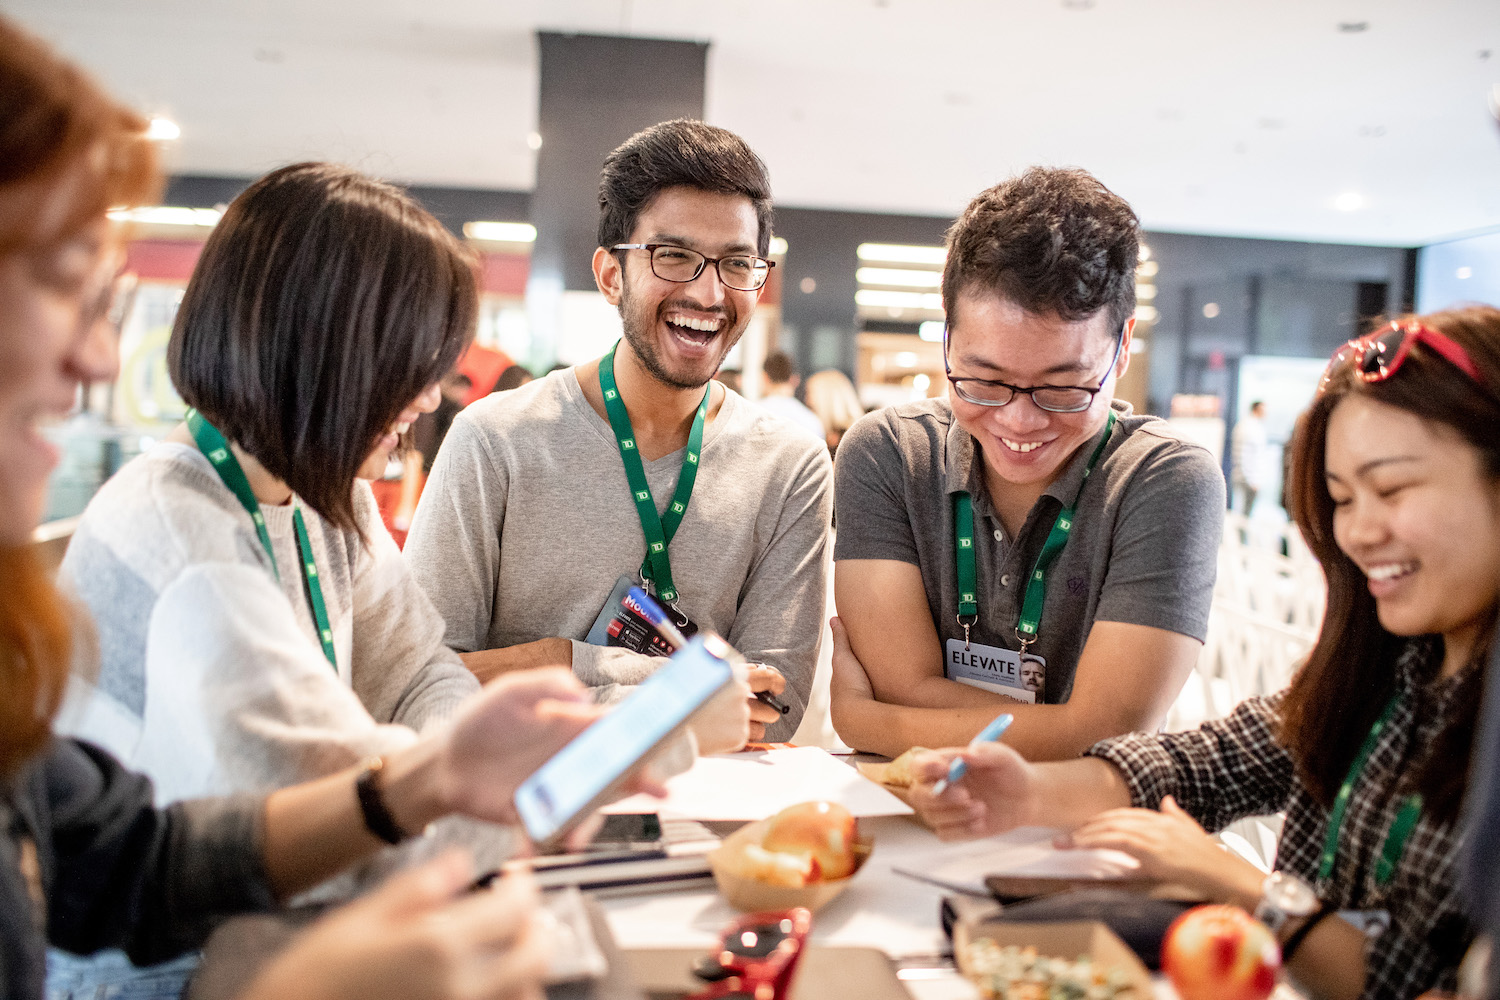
[1069, 940]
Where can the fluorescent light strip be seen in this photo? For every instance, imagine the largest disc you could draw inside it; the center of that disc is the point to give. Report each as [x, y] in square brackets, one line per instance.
[931, 330]
[501, 232]
[898, 277]
[897, 254]
[167, 215]
[163, 130]
[778, 246]
[899, 300]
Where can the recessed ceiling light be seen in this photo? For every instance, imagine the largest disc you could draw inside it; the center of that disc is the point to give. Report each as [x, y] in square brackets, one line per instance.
[162, 129]
[1145, 314]
[808, 286]
[931, 330]
[899, 277]
[897, 254]
[1210, 310]
[1349, 201]
[778, 246]
[533, 140]
[1078, 4]
[501, 232]
[167, 215]
[1465, 272]
[1146, 269]
[1354, 27]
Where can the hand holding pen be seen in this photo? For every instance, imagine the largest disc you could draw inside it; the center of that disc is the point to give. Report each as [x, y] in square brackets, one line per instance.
[989, 734]
[662, 622]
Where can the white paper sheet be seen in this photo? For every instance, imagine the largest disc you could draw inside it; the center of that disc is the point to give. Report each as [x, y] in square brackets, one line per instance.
[1025, 853]
[752, 786]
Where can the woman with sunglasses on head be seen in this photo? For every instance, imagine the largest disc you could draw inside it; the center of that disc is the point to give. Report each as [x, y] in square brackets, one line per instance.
[86, 860]
[1396, 480]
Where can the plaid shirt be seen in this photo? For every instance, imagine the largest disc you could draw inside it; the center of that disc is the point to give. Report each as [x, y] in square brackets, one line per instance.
[1233, 767]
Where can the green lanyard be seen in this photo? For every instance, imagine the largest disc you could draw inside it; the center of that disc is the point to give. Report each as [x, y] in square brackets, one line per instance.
[1401, 826]
[216, 449]
[657, 569]
[1036, 583]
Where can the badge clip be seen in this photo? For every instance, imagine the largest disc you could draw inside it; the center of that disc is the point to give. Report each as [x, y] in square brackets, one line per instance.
[967, 622]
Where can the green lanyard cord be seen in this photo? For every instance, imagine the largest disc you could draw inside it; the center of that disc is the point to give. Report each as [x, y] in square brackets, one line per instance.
[1036, 583]
[1401, 827]
[216, 449]
[657, 569]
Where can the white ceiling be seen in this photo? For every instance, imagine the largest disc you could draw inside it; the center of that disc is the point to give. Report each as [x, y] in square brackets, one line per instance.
[1242, 117]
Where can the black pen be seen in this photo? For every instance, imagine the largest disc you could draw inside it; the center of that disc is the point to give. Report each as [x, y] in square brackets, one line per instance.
[670, 632]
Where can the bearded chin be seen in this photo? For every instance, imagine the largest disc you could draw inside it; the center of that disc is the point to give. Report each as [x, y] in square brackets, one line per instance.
[644, 346]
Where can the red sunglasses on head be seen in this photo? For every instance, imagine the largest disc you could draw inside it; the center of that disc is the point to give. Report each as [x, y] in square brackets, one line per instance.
[1377, 356]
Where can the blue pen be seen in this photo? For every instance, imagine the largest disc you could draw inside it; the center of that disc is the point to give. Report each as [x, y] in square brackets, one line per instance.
[657, 616]
[989, 734]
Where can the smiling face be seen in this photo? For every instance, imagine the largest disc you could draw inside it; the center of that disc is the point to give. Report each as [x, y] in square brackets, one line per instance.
[50, 342]
[682, 331]
[1023, 445]
[1416, 511]
[374, 465]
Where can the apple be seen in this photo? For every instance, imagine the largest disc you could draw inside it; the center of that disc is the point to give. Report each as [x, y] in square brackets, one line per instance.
[1220, 953]
[823, 831]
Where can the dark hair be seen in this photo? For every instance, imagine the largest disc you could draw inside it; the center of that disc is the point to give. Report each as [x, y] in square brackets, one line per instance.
[1351, 673]
[779, 368]
[56, 126]
[54, 120]
[1050, 241]
[679, 153]
[513, 378]
[323, 304]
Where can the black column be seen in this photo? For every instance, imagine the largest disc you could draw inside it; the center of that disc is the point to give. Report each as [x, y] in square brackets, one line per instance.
[596, 91]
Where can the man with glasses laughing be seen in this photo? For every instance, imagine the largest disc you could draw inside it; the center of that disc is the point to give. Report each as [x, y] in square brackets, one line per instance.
[548, 502]
[1030, 531]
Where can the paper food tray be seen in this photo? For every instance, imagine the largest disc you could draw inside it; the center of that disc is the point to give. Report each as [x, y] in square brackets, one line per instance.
[751, 895]
[1069, 940]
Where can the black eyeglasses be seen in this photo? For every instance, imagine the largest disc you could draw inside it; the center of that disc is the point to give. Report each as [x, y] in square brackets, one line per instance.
[1052, 398]
[742, 272]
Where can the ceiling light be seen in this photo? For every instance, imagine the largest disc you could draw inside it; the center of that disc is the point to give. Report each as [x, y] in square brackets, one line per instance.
[1349, 201]
[162, 129]
[501, 232]
[1145, 292]
[778, 247]
[1210, 310]
[920, 383]
[167, 215]
[1353, 27]
[896, 276]
[808, 285]
[533, 140]
[906, 359]
[931, 330]
[899, 300]
[1145, 252]
[1465, 272]
[898, 254]
[1145, 314]
[1146, 269]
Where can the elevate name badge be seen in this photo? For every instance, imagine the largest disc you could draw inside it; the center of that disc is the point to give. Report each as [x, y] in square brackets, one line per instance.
[995, 669]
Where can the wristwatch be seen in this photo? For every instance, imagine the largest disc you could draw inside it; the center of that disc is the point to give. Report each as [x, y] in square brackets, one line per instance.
[1284, 898]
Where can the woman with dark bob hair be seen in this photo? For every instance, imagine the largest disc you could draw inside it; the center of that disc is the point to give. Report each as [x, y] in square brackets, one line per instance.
[86, 860]
[257, 624]
[1396, 487]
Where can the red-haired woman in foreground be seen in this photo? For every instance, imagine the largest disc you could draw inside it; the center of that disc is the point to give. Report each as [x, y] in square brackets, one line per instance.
[1396, 487]
[86, 862]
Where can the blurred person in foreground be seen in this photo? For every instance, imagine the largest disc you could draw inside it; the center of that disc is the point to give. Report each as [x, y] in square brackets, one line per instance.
[781, 395]
[1030, 516]
[86, 860]
[639, 466]
[1396, 484]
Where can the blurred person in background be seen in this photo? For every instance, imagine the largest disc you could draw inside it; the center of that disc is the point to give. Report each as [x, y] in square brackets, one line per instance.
[86, 860]
[513, 378]
[1030, 513]
[781, 395]
[833, 398]
[1249, 455]
[1396, 478]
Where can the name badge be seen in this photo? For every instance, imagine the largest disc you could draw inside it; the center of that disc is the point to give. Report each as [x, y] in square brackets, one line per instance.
[995, 669]
[621, 623]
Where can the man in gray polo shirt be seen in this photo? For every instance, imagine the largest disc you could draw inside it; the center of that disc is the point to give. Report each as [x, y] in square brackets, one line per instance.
[1030, 546]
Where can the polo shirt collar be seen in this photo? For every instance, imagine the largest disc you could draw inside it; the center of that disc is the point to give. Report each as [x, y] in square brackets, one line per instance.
[963, 474]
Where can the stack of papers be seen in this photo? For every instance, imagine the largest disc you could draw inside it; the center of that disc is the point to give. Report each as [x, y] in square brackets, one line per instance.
[1026, 852]
[744, 787]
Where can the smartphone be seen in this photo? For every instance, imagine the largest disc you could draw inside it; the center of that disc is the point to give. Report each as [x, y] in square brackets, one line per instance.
[582, 775]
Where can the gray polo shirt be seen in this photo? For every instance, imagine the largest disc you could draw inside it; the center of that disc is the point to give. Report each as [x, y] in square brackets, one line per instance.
[1143, 547]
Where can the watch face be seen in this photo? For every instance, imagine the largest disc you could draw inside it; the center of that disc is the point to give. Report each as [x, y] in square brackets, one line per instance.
[1289, 895]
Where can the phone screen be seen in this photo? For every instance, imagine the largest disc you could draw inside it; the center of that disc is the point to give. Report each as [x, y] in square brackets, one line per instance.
[551, 799]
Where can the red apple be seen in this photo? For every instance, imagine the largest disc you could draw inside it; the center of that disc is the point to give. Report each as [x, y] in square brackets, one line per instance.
[824, 831]
[1220, 953]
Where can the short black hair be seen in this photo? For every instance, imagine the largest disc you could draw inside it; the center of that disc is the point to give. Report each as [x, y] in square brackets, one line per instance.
[679, 153]
[779, 368]
[324, 302]
[1051, 241]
